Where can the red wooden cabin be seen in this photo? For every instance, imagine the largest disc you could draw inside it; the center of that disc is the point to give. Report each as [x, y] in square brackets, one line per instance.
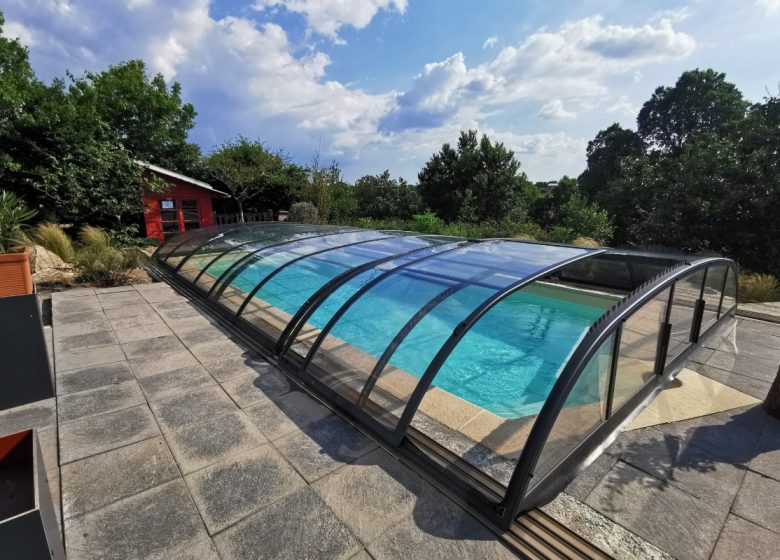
[184, 206]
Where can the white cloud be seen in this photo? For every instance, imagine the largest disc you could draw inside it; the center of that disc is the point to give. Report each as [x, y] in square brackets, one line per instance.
[769, 6]
[15, 30]
[554, 110]
[623, 107]
[489, 42]
[326, 17]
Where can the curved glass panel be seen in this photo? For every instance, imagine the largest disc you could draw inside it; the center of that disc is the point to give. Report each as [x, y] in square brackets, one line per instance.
[225, 263]
[325, 312]
[242, 281]
[686, 291]
[223, 242]
[729, 292]
[272, 307]
[713, 286]
[165, 250]
[183, 252]
[638, 348]
[412, 313]
[584, 410]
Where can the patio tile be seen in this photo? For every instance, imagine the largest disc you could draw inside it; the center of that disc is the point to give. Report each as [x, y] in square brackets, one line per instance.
[202, 334]
[298, 526]
[753, 387]
[98, 401]
[184, 409]
[230, 368]
[188, 324]
[170, 383]
[114, 290]
[97, 481]
[324, 446]
[104, 432]
[763, 370]
[743, 539]
[61, 331]
[231, 490]
[120, 299]
[130, 311]
[180, 303]
[161, 523]
[84, 317]
[177, 310]
[216, 349]
[157, 296]
[286, 413]
[73, 293]
[371, 494]
[91, 357]
[144, 332]
[79, 305]
[159, 363]
[757, 501]
[39, 414]
[767, 459]
[671, 519]
[588, 479]
[47, 437]
[203, 443]
[83, 341]
[256, 389]
[152, 346]
[83, 379]
[136, 321]
[438, 529]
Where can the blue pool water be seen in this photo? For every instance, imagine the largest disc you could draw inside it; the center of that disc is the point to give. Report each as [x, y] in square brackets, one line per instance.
[506, 364]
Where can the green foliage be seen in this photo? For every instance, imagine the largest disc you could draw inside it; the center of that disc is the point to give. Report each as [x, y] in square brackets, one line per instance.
[304, 213]
[13, 214]
[256, 178]
[52, 237]
[701, 101]
[477, 181]
[345, 204]
[128, 237]
[758, 288]
[379, 196]
[586, 219]
[321, 184]
[101, 262]
[562, 234]
[427, 223]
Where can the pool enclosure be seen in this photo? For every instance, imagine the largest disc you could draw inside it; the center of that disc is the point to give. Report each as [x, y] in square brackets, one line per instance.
[498, 367]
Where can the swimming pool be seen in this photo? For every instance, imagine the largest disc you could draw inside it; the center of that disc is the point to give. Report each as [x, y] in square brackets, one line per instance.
[506, 364]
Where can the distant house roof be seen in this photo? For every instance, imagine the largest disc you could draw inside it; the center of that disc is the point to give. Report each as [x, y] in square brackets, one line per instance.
[162, 171]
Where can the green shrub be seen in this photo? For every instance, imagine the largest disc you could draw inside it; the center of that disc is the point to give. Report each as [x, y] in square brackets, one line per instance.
[303, 213]
[100, 261]
[758, 288]
[427, 223]
[52, 237]
[585, 242]
[13, 213]
[561, 234]
[128, 237]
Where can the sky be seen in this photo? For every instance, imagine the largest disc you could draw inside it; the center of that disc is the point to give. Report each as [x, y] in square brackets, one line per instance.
[382, 84]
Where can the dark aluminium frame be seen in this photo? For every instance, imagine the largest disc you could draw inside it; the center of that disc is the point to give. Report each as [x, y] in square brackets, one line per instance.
[462, 482]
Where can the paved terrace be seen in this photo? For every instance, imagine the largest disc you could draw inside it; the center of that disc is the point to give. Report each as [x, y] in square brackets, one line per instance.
[170, 440]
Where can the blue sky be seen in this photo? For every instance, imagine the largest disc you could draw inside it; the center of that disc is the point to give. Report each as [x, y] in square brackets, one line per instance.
[381, 84]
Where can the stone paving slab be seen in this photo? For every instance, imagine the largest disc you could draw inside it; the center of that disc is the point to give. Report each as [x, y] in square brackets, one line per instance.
[105, 432]
[298, 526]
[184, 409]
[237, 366]
[743, 539]
[161, 523]
[88, 357]
[152, 346]
[200, 444]
[169, 361]
[256, 389]
[100, 400]
[757, 501]
[231, 490]
[40, 414]
[286, 414]
[92, 377]
[170, 383]
[97, 481]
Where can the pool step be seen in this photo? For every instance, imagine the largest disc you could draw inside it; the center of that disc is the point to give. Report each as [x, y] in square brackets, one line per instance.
[538, 536]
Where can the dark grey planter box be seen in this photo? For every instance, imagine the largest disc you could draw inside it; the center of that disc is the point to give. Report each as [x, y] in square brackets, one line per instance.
[28, 526]
[25, 375]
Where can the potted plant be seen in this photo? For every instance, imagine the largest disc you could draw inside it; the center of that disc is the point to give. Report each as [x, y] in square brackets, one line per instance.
[15, 275]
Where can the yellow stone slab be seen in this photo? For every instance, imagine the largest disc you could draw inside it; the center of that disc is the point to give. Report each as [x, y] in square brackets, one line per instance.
[691, 395]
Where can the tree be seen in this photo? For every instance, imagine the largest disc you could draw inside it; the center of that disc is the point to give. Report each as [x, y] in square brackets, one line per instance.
[248, 172]
[380, 197]
[150, 119]
[700, 101]
[320, 187]
[476, 181]
[606, 155]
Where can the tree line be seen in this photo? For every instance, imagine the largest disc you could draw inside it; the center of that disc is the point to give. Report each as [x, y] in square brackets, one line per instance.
[700, 173]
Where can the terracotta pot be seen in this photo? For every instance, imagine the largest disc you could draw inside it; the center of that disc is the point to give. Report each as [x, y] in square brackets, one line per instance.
[15, 275]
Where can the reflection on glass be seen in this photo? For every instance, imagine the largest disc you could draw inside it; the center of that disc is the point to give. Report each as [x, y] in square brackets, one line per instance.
[730, 292]
[713, 285]
[638, 348]
[583, 411]
[686, 292]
